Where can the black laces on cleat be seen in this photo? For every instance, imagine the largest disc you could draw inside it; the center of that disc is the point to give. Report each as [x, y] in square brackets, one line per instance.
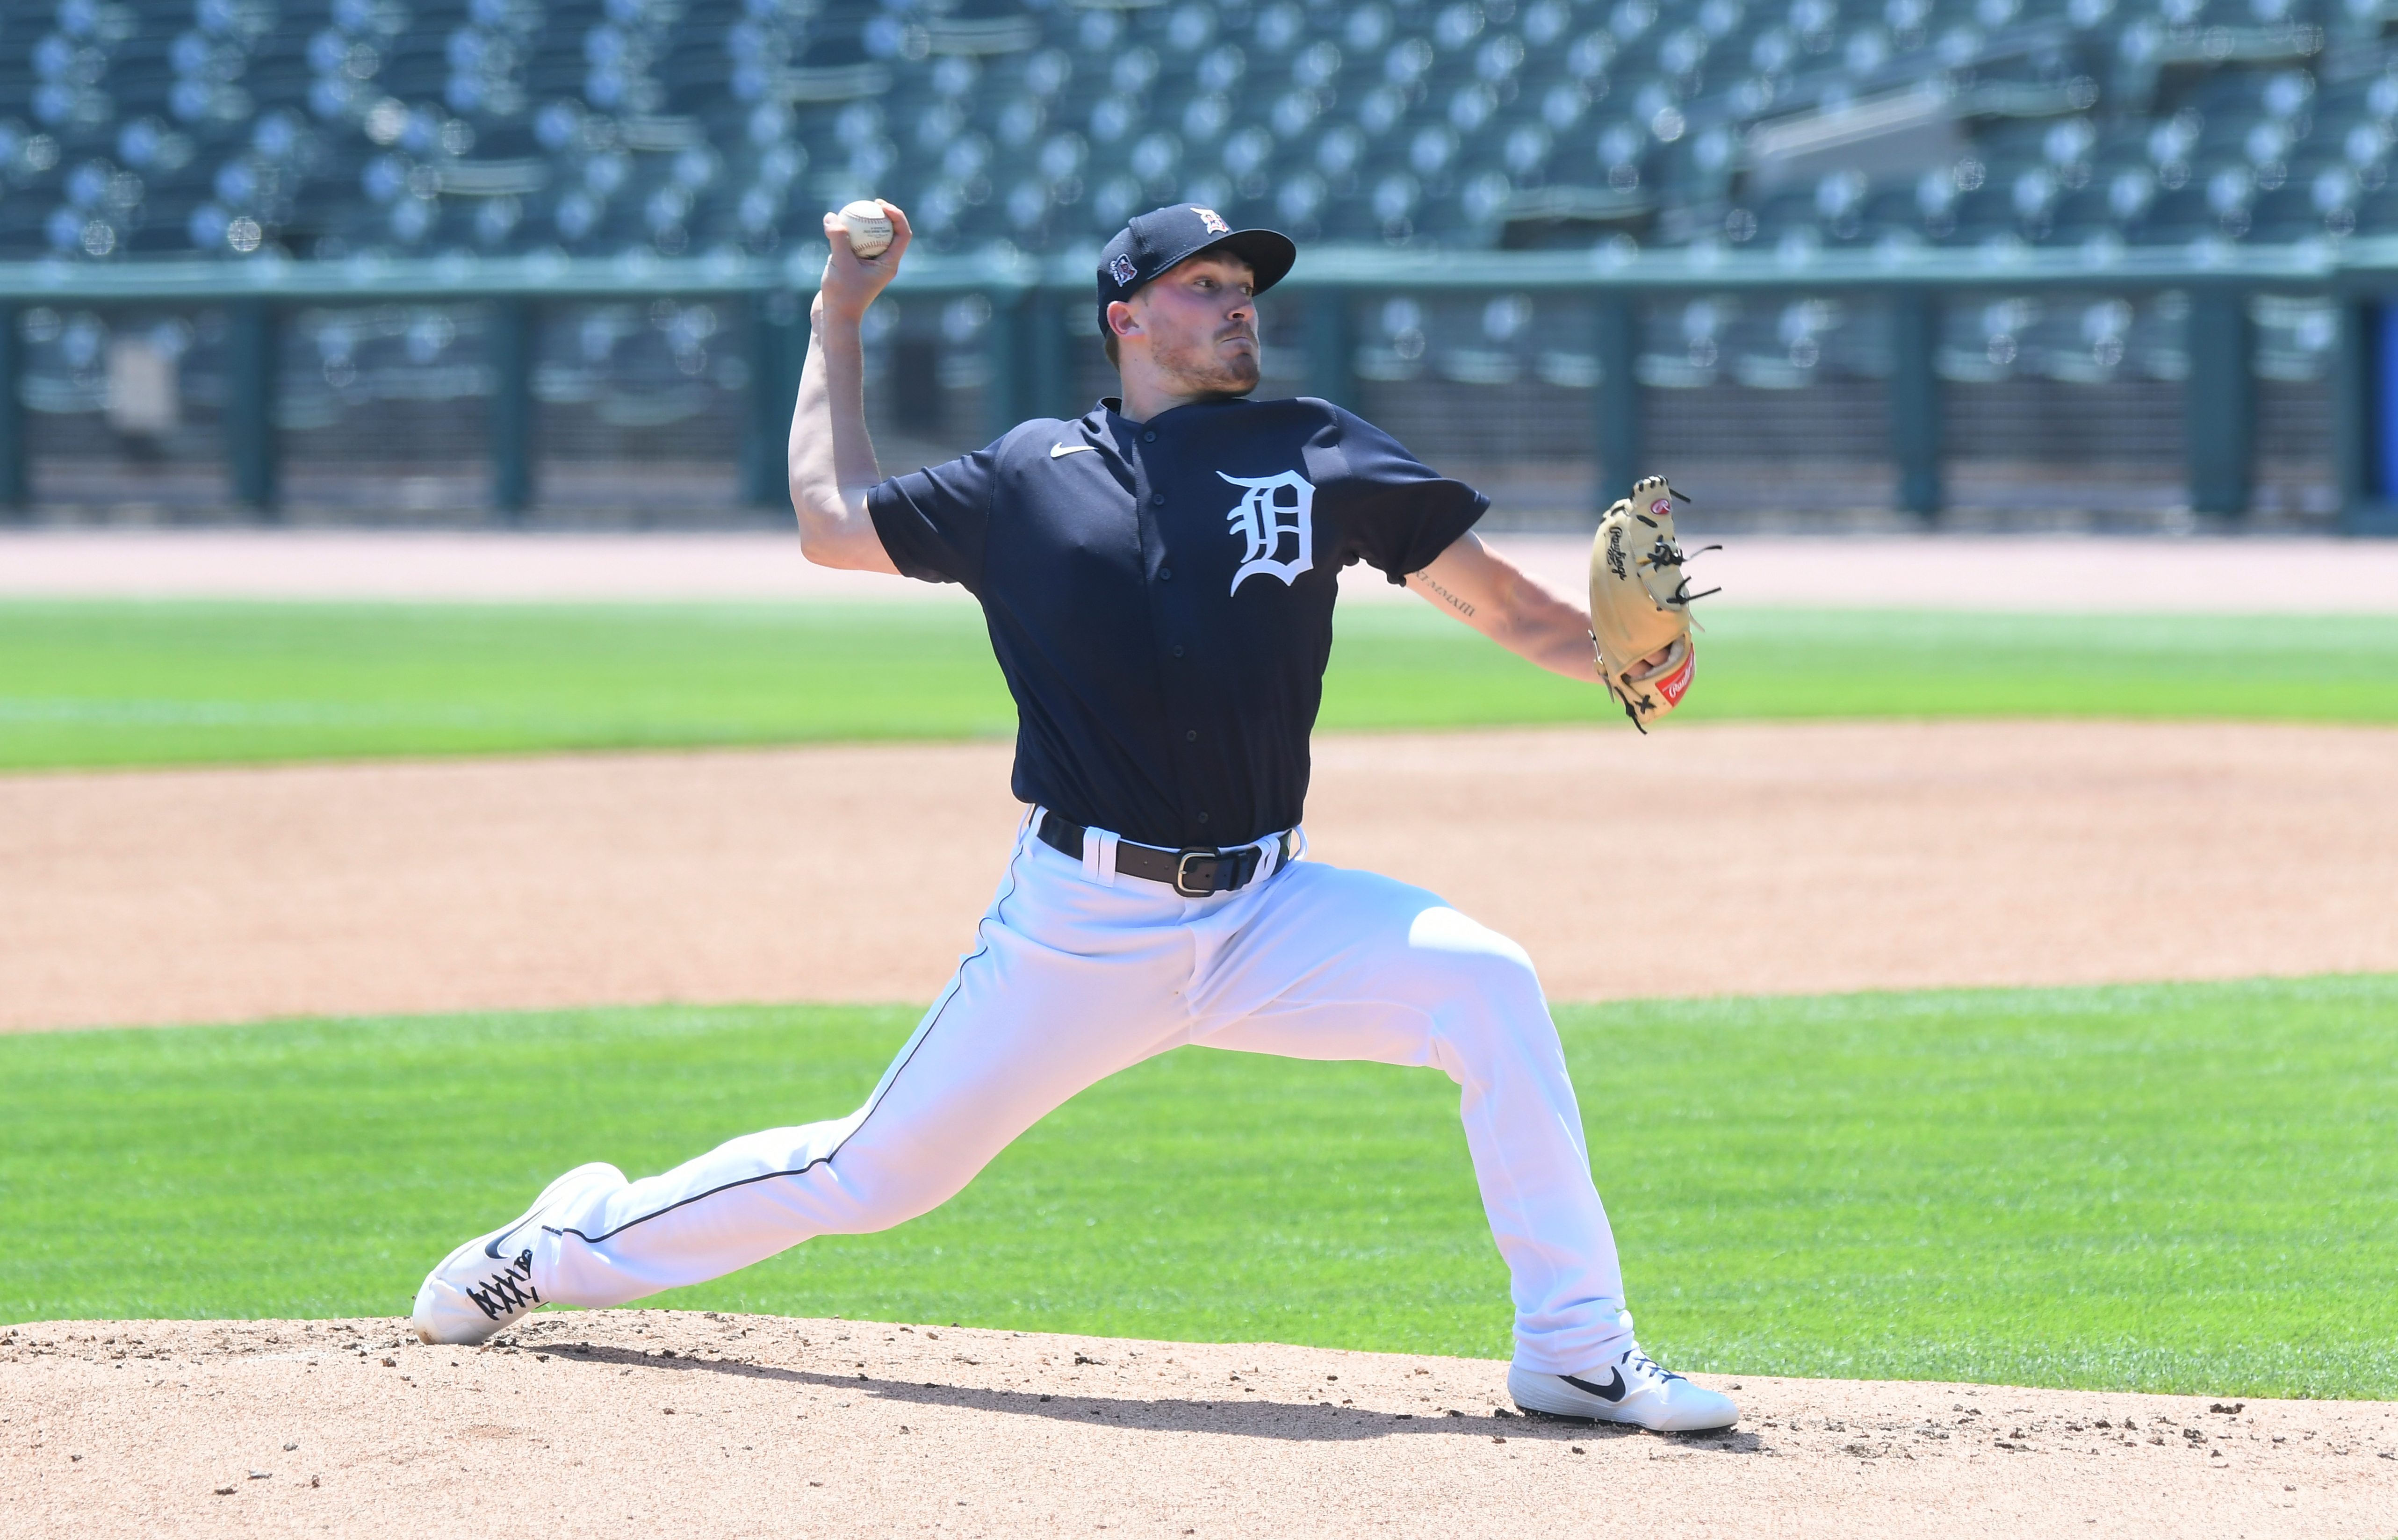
[1634, 1358]
[509, 1290]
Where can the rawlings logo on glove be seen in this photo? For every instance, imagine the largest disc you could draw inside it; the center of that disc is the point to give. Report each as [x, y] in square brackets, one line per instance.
[1640, 604]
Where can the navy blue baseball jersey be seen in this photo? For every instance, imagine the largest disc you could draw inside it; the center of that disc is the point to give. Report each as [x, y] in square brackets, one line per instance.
[1160, 595]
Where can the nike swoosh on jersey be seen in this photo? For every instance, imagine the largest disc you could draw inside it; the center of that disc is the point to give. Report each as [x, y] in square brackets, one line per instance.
[1060, 451]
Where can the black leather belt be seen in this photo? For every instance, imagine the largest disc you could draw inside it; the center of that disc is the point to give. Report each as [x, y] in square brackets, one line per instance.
[1194, 872]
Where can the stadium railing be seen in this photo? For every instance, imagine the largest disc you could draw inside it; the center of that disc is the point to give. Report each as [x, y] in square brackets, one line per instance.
[1026, 312]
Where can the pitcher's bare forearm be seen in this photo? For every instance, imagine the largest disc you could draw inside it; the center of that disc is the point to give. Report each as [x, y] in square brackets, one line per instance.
[1498, 599]
[831, 456]
[832, 462]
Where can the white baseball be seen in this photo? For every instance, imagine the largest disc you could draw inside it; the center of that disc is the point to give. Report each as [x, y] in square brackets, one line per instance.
[869, 227]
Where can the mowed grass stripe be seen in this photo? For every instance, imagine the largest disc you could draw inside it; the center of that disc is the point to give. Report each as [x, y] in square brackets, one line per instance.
[119, 683]
[2188, 1188]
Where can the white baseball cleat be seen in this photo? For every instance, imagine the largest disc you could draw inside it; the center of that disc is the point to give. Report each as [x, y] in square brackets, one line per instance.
[487, 1284]
[1632, 1390]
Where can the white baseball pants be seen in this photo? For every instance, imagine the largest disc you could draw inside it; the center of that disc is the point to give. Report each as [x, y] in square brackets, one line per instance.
[1079, 973]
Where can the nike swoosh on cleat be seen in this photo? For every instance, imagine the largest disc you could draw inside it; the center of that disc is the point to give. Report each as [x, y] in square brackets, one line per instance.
[1604, 1392]
[492, 1247]
[1060, 451]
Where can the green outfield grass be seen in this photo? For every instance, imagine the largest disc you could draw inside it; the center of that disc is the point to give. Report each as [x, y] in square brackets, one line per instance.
[132, 683]
[2190, 1188]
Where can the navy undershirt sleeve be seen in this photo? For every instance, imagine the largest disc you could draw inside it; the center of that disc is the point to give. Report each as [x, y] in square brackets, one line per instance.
[933, 521]
[1402, 514]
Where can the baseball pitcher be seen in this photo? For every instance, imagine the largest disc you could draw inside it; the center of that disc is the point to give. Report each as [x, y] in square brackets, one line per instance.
[1158, 577]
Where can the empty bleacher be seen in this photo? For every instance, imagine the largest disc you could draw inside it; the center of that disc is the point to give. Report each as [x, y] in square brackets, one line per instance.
[135, 127]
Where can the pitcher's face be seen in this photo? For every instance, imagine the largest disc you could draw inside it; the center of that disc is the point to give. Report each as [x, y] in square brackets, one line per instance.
[1194, 328]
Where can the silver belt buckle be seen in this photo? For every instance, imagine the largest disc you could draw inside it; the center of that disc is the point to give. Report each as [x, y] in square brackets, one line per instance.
[1183, 871]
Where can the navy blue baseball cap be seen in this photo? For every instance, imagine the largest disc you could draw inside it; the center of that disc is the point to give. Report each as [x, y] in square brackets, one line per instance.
[1156, 240]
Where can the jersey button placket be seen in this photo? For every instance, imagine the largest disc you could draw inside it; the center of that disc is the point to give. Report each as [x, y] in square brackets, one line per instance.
[1151, 470]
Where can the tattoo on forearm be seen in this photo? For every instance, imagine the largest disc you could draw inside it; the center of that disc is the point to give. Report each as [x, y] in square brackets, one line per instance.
[1459, 604]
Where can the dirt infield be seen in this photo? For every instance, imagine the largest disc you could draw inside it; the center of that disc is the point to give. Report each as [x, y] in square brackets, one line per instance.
[657, 1422]
[1773, 858]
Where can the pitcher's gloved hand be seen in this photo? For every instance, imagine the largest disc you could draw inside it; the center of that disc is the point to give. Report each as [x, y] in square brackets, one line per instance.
[1640, 604]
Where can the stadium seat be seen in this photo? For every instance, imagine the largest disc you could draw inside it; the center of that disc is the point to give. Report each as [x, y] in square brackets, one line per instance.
[152, 127]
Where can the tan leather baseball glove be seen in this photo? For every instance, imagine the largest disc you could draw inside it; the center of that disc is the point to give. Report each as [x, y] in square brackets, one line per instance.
[1641, 602]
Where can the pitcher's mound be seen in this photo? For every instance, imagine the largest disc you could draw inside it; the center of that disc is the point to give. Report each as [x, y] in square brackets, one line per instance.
[657, 1422]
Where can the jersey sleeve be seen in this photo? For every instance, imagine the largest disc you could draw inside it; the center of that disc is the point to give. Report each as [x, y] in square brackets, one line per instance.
[933, 522]
[1400, 513]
